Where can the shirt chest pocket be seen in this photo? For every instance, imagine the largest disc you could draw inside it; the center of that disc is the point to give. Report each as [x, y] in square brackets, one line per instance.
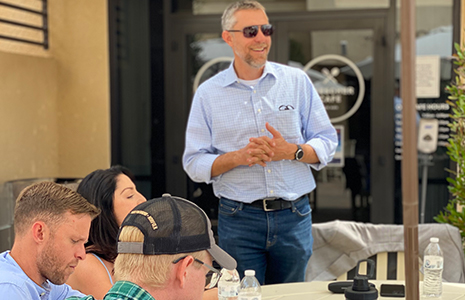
[288, 123]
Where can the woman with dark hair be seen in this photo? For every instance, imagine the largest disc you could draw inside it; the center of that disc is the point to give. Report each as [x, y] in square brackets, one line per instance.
[114, 192]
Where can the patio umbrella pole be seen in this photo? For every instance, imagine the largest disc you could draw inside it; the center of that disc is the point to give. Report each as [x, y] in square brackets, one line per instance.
[409, 152]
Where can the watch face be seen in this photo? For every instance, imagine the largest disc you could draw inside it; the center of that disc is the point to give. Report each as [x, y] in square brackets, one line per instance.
[299, 154]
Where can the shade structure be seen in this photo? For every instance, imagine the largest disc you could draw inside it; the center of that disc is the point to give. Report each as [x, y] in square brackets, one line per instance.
[410, 159]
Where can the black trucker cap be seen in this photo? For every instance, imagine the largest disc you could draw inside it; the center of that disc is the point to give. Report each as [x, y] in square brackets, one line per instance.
[173, 225]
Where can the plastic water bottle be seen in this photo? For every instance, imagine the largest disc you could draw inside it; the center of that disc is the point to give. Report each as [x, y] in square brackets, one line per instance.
[228, 285]
[433, 263]
[250, 287]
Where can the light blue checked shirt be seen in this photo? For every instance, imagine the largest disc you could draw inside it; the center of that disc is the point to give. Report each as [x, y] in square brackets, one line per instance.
[225, 113]
[15, 284]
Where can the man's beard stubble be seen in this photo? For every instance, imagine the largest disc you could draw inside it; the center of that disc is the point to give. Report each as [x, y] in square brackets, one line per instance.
[50, 266]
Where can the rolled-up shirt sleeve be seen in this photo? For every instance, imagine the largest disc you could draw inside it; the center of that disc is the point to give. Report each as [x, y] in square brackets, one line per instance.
[318, 130]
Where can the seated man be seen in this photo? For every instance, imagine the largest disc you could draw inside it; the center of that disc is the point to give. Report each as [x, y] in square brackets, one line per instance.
[165, 252]
[51, 225]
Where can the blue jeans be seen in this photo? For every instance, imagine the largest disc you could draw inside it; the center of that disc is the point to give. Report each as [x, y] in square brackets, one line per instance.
[276, 244]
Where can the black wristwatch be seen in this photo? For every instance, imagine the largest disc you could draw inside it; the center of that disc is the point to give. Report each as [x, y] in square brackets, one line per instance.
[299, 154]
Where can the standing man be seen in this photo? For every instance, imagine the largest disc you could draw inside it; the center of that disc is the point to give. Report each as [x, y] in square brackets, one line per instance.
[51, 225]
[254, 131]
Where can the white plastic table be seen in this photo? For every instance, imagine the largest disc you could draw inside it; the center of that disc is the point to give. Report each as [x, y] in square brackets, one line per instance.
[317, 290]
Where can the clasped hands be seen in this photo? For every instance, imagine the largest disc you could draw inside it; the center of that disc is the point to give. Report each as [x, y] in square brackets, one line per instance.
[263, 149]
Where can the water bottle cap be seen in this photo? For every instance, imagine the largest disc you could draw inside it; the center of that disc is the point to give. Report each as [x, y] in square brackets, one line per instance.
[434, 240]
[249, 272]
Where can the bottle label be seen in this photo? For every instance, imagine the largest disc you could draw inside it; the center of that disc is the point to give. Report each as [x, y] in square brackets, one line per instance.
[228, 290]
[433, 262]
[258, 297]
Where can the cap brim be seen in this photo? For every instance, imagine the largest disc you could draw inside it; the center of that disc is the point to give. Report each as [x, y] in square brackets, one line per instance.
[222, 257]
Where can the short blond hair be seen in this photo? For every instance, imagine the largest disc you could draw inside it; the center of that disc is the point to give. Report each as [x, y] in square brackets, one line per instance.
[48, 202]
[151, 270]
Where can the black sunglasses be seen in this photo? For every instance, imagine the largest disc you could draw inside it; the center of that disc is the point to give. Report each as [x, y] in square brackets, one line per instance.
[252, 31]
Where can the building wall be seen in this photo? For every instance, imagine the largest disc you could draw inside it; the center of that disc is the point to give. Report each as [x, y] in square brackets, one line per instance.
[55, 115]
[81, 51]
[28, 119]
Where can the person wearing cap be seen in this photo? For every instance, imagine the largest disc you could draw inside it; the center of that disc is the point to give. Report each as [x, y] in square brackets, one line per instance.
[255, 131]
[165, 251]
[114, 192]
[51, 225]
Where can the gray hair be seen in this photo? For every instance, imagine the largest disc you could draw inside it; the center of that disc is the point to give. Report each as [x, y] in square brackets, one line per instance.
[228, 20]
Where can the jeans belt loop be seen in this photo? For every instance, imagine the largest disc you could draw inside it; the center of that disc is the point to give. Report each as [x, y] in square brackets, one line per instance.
[241, 206]
[293, 204]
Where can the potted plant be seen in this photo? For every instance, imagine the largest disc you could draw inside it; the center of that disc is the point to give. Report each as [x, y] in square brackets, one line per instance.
[454, 214]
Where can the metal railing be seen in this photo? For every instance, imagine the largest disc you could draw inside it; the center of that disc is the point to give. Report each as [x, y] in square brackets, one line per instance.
[43, 28]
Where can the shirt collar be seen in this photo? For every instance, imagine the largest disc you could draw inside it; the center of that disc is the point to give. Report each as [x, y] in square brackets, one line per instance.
[43, 290]
[231, 76]
[129, 290]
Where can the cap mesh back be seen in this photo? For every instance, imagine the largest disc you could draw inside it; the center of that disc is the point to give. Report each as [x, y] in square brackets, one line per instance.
[170, 226]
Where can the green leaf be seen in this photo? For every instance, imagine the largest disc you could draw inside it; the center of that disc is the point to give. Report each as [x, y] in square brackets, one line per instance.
[456, 146]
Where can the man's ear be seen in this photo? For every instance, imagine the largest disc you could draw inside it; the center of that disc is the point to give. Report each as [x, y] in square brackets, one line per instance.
[182, 271]
[227, 37]
[39, 231]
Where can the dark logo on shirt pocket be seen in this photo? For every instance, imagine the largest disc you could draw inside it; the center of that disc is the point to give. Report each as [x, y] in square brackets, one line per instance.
[286, 107]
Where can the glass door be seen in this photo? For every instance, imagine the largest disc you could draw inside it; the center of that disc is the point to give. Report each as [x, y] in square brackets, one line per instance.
[345, 58]
[339, 62]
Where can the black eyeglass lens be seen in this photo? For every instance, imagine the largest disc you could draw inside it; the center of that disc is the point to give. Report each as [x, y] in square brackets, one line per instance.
[250, 31]
[267, 30]
[209, 281]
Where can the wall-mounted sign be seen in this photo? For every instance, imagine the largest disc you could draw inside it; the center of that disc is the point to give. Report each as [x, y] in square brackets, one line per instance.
[333, 92]
[427, 76]
[430, 105]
